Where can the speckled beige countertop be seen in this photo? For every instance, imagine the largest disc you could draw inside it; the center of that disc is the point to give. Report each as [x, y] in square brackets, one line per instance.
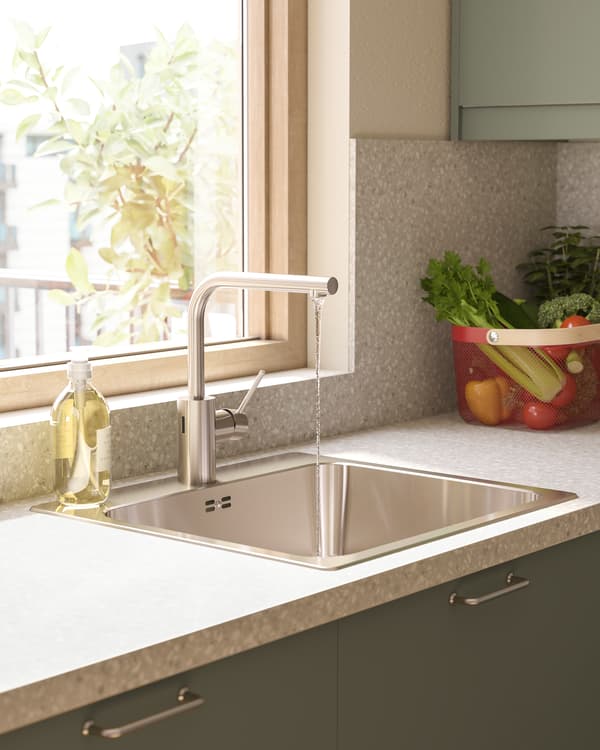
[90, 611]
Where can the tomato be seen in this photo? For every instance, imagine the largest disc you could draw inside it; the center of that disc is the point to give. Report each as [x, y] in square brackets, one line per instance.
[558, 352]
[540, 416]
[568, 392]
[574, 320]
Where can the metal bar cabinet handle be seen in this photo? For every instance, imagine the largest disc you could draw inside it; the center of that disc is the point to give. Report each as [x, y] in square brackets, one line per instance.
[513, 583]
[186, 699]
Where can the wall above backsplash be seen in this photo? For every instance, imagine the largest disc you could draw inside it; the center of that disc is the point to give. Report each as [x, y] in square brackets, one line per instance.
[411, 200]
[399, 59]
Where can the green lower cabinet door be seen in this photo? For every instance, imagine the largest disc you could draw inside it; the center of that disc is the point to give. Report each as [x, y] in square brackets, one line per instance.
[515, 672]
[282, 696]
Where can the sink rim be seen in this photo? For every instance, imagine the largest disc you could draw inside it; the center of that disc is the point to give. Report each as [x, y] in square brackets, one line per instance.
[145, 490]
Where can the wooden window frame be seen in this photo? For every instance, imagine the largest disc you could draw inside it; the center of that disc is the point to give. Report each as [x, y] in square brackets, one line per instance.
[276, 229]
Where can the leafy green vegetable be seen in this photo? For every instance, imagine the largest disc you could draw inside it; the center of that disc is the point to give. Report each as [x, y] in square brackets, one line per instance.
[552, 312]
[531, 308]
[515, 312]
[462, 294]
[465, 296]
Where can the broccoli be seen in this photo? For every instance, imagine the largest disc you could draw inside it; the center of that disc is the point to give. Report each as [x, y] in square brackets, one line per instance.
[552, 312]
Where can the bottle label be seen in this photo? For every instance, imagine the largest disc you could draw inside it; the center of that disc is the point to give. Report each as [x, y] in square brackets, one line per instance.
[103, 451]
[80, 469]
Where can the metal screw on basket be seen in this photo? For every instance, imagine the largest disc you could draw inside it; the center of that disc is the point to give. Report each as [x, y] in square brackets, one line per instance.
[493, 337]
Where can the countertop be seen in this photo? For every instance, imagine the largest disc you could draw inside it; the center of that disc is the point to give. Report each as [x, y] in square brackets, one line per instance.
[90, 611]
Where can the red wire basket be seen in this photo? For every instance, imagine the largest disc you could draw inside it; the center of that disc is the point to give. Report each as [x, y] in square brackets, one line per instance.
[531, 378]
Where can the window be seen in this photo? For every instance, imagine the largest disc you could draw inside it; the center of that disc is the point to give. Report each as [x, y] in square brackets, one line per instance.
[275, 157]
[33, 142]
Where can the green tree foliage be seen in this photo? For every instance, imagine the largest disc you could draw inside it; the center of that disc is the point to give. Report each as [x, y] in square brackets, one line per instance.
[139, 155]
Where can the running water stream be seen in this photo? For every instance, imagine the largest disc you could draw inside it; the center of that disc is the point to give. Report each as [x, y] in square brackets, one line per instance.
[318, 302]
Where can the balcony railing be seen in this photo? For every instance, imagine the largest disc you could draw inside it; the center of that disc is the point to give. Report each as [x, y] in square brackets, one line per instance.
[12, 280]
[8, 238]
[8, 176]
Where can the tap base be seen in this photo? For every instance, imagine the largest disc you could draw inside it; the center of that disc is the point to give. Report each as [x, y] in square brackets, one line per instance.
[197, 461]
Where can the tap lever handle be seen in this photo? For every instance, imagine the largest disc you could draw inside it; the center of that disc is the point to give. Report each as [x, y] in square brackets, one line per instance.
[251, 391]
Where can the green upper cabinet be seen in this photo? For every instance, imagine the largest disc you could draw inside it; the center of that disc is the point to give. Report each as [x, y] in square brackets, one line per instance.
[525, 70]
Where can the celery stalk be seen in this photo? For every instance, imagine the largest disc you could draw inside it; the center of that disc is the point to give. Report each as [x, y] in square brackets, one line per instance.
[533, 370]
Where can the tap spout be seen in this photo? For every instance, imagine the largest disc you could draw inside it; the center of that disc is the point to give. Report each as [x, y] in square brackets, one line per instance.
[267, 282]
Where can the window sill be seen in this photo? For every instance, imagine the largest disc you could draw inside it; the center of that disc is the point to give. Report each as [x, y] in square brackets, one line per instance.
[232, 386]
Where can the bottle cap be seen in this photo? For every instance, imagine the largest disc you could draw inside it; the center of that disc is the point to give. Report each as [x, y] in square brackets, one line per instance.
[79, 367]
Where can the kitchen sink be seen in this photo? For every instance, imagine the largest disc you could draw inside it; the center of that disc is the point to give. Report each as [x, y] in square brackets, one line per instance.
[269, 508]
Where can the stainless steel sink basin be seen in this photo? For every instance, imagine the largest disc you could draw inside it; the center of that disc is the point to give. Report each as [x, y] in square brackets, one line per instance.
[269, 508]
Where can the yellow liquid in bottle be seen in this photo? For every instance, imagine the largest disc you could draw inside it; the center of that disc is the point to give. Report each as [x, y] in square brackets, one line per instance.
[80, 424]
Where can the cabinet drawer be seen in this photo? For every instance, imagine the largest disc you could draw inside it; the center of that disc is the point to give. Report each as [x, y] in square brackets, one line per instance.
[517, 671]
[257, 699]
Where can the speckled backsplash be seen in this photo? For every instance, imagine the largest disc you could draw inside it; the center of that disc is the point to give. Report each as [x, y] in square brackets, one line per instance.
[411, 201]
[578, 185]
